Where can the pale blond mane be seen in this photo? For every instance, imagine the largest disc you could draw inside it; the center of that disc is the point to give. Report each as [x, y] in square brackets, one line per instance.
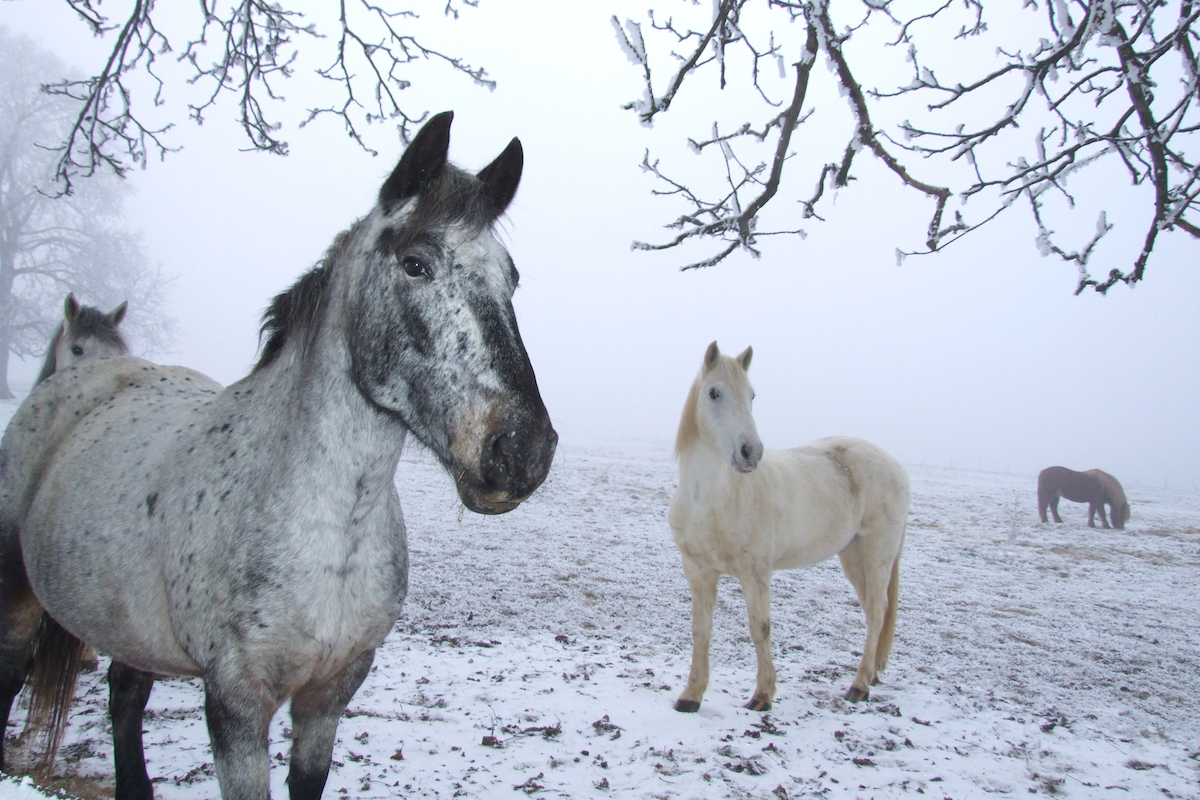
[689, 431]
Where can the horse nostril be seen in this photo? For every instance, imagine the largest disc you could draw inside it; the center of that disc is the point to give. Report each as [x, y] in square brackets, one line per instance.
[746, 452]
[498, 460]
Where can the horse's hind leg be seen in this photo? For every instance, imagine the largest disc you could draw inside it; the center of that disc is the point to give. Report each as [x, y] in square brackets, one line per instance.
[315, 715]
[20, 613]
[703, 584]
[757, 589]
[869, 574]
[128, 693]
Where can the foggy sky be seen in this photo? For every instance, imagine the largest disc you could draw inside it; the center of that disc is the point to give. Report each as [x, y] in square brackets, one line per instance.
[979, 357]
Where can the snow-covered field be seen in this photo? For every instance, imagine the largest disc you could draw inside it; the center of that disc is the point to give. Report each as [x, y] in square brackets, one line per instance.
[540, 653]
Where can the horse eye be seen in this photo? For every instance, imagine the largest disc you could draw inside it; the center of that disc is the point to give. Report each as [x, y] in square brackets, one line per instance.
[413, 267]
[76, 350]
[714, 394]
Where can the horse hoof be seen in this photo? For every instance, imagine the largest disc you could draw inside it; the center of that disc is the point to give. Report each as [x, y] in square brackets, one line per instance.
[757, 704]
[856, 695]
[687, 706]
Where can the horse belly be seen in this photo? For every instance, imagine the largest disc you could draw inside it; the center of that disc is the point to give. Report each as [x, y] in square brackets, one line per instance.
[732, 536]
[806, 511]
[90, 590]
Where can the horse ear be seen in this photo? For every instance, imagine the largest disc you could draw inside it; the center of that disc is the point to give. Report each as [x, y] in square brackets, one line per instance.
[117, 314]
[421, 163]
[710, 356]
[501, 177]
[744, 358]
[71, 307]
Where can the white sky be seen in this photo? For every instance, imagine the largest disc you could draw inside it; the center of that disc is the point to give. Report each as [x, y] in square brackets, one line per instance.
[979, 357]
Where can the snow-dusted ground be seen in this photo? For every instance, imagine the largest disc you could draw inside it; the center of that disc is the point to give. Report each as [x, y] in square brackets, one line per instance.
[540, 653]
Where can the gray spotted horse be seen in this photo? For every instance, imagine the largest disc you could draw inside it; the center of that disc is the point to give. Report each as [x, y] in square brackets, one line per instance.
[252, 535]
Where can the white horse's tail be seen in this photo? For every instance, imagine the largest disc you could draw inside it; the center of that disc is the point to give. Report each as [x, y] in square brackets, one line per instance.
[56, 664]
[888, 634]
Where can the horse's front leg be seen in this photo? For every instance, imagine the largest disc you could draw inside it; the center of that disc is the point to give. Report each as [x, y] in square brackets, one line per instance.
[703, 584]
[1103, 516]
[315, 715]
[238, 712]
[128, 693]
[757, 589]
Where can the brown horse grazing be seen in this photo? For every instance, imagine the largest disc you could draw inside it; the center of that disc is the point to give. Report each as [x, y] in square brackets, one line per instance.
[1092, 487]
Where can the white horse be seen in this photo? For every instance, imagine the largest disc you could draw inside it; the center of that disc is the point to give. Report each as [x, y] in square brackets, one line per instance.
[743, 511]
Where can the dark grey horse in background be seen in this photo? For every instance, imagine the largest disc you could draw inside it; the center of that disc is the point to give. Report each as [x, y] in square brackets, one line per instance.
[252, 535]
[85, 333]
[1094, 487]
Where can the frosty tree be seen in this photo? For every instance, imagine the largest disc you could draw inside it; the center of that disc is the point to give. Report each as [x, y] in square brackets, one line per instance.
[241, 51]
[53, 245]
[976, 110]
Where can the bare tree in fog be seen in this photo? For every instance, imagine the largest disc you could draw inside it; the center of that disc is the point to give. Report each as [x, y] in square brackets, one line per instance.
[245, 50]
[971, 119]
[51, 245]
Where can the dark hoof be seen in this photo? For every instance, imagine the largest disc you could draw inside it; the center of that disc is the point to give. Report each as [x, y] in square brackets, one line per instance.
[856, 695]
[687, 706]
[875, 681]
[756, 704]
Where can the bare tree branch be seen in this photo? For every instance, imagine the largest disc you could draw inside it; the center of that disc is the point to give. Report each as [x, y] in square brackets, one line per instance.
[241, 51]
[1079, 83]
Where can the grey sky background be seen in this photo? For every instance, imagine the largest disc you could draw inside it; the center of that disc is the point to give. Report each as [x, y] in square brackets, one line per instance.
[979, 357]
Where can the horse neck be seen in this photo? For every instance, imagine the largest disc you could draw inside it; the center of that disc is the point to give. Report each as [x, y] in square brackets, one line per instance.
[701, 461]
[307, 393]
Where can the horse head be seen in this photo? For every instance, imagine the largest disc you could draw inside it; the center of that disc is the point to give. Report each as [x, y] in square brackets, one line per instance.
[434, 340]
[85, 333]
[718, 412]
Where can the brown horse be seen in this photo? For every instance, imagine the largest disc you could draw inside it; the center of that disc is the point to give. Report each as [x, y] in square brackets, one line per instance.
[1092, 487]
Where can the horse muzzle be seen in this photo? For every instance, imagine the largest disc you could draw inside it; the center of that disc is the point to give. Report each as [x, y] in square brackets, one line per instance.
[745, 459]
[512, 463]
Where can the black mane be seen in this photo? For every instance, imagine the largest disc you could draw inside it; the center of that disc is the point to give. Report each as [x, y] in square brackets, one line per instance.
[296, 308]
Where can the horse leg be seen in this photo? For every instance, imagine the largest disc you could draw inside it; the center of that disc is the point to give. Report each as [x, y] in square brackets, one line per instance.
[20, 613]
[238, 714]
[315, 715]
[870, 581]
[1103, 516]
[128, 693]
[703, 584]
[1054, 507]
[757, 589]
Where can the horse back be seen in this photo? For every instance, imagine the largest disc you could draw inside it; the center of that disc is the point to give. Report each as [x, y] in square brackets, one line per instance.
[1078, 487]
[48, 417]
[51, 413]
[875, 483]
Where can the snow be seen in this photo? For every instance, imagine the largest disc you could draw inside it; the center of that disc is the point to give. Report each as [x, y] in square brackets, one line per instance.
[540, 652]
